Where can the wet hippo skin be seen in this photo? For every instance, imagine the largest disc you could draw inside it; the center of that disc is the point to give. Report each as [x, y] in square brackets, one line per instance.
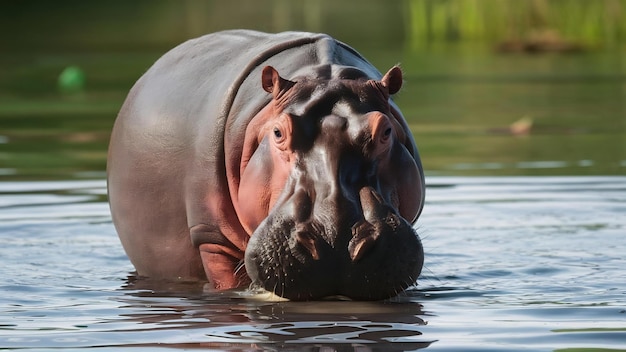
[277, 160]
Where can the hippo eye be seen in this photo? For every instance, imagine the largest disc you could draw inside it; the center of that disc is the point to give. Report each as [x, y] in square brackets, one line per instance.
[277, 133]
[386, 134]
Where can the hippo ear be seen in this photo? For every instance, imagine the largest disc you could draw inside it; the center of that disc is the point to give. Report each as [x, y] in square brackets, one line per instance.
[392, 80]
[273, 83]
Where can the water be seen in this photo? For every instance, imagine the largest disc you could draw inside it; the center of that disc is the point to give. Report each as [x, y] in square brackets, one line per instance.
[512, 263]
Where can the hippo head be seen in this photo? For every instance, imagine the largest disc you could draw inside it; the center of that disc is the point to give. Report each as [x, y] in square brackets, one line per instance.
[330, 184]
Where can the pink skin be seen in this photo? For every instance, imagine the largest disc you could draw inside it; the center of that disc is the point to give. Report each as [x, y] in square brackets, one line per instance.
[262, 182]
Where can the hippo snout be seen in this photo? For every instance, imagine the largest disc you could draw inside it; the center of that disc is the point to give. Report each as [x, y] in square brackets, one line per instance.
[367, 253]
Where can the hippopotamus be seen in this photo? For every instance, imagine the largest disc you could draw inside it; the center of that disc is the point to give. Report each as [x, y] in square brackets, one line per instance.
[278, 161]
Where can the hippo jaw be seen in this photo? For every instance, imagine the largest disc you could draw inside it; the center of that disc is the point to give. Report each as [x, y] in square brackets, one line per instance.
[375, 257]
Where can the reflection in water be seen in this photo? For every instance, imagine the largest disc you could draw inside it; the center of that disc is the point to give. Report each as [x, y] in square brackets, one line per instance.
[549, 164]
[245, 320]
[464, 102]
[512, 263]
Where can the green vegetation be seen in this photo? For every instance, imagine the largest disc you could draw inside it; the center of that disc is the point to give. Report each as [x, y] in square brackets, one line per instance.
[594, 24]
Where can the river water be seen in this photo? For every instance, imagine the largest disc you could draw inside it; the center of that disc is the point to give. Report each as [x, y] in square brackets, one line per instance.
[512, 263]
[529, 260]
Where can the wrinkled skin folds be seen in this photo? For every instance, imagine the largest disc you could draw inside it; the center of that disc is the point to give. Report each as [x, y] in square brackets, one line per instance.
[286, 166]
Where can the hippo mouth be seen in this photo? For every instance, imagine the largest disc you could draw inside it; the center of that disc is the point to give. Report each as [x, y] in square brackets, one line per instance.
[372, 254]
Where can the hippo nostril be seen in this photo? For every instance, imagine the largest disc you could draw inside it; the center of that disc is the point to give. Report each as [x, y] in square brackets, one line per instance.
[373, 205]
[306, 239]
[302, 205]
[378, 219]
[364, 236]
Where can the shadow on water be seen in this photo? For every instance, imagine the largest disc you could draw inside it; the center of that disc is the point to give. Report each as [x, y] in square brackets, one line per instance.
[246, 320]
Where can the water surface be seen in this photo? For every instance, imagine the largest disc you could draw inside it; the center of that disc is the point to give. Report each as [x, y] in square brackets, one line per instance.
[511, 263]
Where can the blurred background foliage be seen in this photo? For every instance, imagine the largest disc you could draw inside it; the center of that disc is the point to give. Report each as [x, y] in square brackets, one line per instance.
[156, 24]
[590, 24]
[523, 87]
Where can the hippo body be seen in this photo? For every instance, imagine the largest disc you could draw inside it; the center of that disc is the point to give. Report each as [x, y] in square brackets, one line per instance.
[274, 159]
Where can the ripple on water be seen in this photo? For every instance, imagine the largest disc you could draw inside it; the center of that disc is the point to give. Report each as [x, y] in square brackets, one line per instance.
[512, 263]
